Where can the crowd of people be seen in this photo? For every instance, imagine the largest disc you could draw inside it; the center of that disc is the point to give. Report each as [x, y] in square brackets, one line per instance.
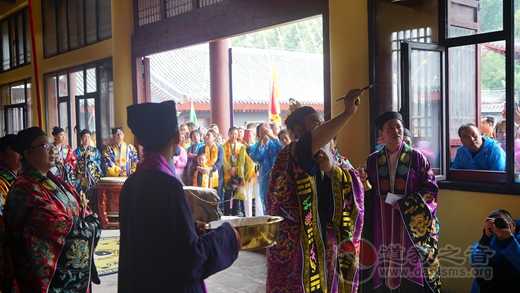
[238, 167]
[48, 232]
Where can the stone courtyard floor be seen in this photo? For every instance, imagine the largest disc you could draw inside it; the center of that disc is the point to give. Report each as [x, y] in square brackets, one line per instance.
[246, 275]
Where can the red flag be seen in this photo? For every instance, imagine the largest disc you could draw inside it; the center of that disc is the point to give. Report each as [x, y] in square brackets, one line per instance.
[274, 107]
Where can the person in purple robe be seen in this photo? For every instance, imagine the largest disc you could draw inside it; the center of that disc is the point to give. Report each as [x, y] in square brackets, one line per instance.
[322, 204]
[160, 250]
[400, 216]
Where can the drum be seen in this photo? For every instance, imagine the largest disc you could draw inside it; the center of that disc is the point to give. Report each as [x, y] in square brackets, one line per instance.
[107, 191]
[203, 203]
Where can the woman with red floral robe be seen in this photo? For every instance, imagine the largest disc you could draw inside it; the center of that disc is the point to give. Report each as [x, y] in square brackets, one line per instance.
[52, 234]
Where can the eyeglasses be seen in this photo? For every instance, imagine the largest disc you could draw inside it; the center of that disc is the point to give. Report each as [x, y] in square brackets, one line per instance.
[45, 146]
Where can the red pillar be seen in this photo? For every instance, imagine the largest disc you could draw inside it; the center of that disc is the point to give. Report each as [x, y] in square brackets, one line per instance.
[219, 76]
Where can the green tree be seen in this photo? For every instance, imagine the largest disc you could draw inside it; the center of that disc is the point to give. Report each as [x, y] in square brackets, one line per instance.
[302, 36]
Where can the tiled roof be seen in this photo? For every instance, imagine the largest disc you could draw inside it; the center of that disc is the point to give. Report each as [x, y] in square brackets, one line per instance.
[184, 75]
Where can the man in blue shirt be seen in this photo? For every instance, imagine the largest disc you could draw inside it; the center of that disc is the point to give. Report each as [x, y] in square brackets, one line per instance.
[478, 152]
[496, 257]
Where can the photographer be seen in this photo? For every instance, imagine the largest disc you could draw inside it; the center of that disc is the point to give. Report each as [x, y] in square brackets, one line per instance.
[496, 257]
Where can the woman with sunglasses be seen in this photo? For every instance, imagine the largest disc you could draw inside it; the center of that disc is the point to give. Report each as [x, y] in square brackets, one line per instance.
[52, 233]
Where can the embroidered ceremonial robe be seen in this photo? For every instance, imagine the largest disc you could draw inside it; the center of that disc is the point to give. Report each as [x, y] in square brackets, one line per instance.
[53, 239]
[306, 258]
[404, 235]
[88, 171]
[7, 178]
[120, 160]
[65, 164]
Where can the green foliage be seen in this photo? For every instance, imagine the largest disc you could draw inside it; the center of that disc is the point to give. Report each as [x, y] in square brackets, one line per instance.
[302, 36]
[493, 67]
[490, 15]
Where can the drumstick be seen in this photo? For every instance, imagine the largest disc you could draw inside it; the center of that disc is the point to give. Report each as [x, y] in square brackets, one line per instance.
[362, 91]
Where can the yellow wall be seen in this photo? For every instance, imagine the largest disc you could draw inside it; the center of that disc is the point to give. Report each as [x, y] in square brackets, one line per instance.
[349, 69]
[461, 215]
[122, 28]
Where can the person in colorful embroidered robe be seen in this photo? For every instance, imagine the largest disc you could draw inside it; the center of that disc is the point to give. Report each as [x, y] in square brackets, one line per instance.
[65, 165]
[264, 153]
[9, 167]
[180, 258]
[120, 158]
[52, 233]
[322, 205]
[400, 215]
[234, 176]
[88, 170]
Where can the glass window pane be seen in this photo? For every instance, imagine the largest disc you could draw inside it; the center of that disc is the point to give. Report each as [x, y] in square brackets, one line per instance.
[91, 80]
[90, 14]
[49, 28]
[106, 100]
[18, 94]
[91, 116]
[462, 73]
[28, 102]
[76, 24]
[81, 114]
[12, 41]
[5, 46]
[63, 40]
[105, 19]
[28, 43]
[426, 105]
[52, 102]
[62, 86]
[477, 96]
[77, 85]
[397, 38]
[63, 116]
[15, 120]
[21, 38]
[472, 17]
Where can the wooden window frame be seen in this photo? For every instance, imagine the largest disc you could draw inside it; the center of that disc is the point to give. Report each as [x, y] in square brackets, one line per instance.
[23, 105]
[85, 43]
[67, 72]
[475, 180]
[14, 46]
